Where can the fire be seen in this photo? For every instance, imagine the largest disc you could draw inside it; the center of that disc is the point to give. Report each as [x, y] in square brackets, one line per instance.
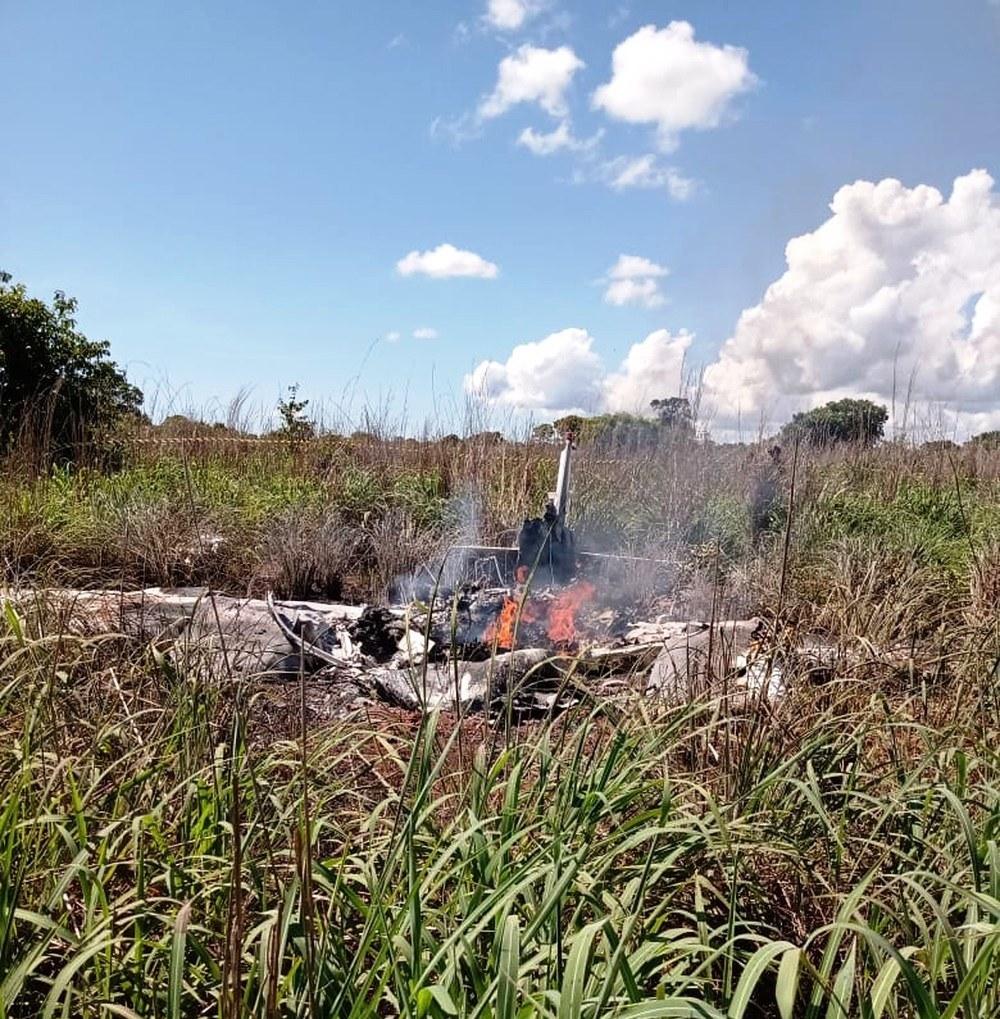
[562, 612]
[558, 614]
[503, 628]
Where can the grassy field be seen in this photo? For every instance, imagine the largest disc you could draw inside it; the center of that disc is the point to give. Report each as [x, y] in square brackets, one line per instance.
[169, 850]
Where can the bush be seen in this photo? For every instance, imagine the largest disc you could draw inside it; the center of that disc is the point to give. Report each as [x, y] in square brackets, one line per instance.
[841, 421]
[58, 389]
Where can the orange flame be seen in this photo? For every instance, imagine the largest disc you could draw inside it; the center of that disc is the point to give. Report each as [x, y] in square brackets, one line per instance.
[559, 616]
[502, 629]
[562, 612]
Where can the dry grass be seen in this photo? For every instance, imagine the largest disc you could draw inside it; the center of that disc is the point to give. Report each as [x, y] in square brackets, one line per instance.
[172, 844]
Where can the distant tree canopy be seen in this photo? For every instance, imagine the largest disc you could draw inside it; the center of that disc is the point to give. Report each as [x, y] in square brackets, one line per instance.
[674, 413]
[619, 431]
[840, 421]
[180, 426]
[673, 420]
[986, 440]
[55, 384]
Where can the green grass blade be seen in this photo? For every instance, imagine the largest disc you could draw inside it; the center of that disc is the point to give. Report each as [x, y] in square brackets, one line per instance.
[177, 945]
[508, 969]
[755, 968]
[787, 983]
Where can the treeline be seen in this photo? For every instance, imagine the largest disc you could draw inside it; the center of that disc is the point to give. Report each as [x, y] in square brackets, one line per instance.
[61, 393]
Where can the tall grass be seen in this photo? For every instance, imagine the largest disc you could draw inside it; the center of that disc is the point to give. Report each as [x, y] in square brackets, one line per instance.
[230, 511]
[176, 843]
[164, 854]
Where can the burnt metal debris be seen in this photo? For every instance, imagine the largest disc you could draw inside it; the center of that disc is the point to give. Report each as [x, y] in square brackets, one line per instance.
[532, 629]
[411, 658]
[546, 549]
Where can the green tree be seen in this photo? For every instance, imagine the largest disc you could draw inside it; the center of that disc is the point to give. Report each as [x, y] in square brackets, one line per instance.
[56, 386]
[674, 413]
[571, 424]
[620, 432]
[986, 440]
[180, 426]
[840, 421]
[294, 423]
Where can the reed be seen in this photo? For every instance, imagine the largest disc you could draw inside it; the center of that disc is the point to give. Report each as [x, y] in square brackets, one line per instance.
[167, 850]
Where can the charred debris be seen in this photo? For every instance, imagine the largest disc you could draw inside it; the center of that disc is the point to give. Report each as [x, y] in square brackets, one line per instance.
[524, 628]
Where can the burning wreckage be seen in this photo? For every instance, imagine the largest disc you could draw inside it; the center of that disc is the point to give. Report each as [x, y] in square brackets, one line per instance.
[527, 628]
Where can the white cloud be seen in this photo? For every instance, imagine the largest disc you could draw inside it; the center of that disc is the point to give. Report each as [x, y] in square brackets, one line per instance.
[644, 292]
[629, 267]
[446, 261]
[647, 172]
[634, 280]
[532, 75]
[563, 374]
[652, 369]
[560, 373]
[425, 333]
[667, 78]
[510, 15]
[456, 130]
[561, 137]
[899, 282]
[392, 336]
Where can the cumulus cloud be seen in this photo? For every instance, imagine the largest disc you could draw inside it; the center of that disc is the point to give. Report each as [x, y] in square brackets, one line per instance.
[645, 292]
[425, 333]
[635, 280]
[532, 74]
[898, 283]
[667, 78]
[563, 374]
[546, 143]
[630, 266]
[646, 171]
[510, 15]
[445, 262]
[392, 336]
[652, 369]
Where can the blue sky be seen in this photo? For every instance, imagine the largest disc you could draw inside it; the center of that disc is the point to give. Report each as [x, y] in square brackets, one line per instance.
[228, 188]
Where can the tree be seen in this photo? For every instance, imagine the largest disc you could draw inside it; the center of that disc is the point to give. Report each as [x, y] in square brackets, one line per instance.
[986, 440]
[545, 433]
[180, 426]
[571, 424]
[840, 421]
[56, 385]
[294, 423]
[674, 413]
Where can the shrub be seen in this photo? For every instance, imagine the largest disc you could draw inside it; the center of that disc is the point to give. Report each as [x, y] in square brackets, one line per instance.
[58, 389]
[841, 421]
